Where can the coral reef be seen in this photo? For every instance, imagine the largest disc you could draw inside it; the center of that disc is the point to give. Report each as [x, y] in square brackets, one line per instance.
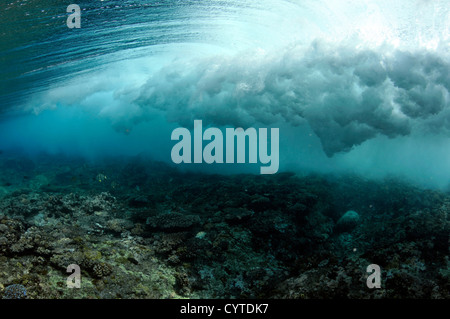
[15, 292]
[149, 231]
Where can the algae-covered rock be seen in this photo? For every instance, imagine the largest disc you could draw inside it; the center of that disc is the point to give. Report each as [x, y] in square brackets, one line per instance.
[101, 270]
[348, 221]
[173, 221]
[15, 292]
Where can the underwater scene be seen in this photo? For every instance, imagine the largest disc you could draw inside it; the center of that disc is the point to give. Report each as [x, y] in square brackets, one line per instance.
[224, 149]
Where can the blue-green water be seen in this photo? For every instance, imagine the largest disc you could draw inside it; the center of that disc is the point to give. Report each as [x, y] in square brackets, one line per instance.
[352, 86]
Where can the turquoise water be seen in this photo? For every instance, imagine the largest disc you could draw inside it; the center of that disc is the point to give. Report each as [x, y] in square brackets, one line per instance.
[360, 87]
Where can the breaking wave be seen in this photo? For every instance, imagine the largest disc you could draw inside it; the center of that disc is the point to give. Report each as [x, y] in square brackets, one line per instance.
[361, 87]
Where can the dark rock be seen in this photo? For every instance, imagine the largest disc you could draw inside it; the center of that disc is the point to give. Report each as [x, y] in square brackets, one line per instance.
[138, 201]
[173, 222]
[237, 215]
[348, 221]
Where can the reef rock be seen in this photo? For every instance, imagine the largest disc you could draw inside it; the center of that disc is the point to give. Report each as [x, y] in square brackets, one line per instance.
[348, 221]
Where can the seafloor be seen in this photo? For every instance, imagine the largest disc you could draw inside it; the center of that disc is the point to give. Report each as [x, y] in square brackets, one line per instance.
[143, 229]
